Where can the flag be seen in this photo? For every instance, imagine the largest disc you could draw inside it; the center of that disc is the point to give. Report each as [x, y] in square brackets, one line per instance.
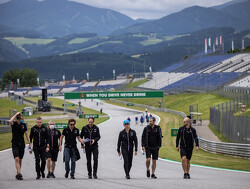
[216, 41]
[206, 45]
[243, 44]
[232, 45]
[220, 40]
[209, 42]
[213, 47]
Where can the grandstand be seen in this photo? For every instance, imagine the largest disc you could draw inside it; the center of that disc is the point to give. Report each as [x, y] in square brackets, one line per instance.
[244, 82]
[101, 85]
[80, 87]
[200, 73]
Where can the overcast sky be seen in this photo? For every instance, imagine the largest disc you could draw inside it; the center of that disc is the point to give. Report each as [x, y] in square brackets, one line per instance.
[148, 9]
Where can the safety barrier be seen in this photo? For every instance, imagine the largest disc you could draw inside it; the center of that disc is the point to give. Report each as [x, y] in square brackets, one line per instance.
[5, 129]
[234, 149]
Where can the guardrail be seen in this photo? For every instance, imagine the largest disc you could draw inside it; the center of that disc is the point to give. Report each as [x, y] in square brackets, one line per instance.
[234, 149]
[5, 129]
[4, 121]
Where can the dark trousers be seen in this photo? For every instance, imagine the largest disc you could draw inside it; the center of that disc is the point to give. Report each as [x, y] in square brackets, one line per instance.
[89, 151]
[128, 158]
[40, 158]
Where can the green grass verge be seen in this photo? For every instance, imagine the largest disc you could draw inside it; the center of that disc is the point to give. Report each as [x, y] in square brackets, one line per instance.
[181, 102]
[6, 105]
[168, 150]
[218, 134]
[58, 103]
[135, 83]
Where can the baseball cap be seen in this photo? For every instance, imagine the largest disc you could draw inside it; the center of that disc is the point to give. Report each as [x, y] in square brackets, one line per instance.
[126, 122]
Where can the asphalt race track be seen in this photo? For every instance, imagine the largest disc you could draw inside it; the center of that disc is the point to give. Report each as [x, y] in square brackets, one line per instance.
[110, 170]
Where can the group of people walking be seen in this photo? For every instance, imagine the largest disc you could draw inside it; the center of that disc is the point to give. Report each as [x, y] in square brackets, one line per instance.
[47, 142]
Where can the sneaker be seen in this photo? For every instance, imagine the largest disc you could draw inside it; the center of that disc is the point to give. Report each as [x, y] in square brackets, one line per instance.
[38, 177]
[19, 177]
[185, 175]
[188, 176]
[127, 177]
[148, 173]
[43, 175]
[153, 176]
[48, 175]
[95, 176]
[52, 175]
[67, 174]
[72, 177]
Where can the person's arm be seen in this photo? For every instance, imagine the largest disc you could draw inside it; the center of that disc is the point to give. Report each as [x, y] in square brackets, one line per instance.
[160, 137]
[196, 139]
[143, 139]
[98, 136]
[27, 137]
[78, 137]
[31, 135]
[13, 118]
[178, 139]
[82, 132]
[119, 144]
[60, 142]
[47, 139]
[136, 143]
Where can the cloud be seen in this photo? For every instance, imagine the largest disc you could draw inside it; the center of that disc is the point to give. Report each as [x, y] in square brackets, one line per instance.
[150, 9]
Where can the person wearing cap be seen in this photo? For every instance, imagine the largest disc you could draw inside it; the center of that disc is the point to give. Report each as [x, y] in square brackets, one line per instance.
[19, 128]
[127, 141]
[39, 135]
[186, 137]
[91, 135]
[52, 154]
[151, 143]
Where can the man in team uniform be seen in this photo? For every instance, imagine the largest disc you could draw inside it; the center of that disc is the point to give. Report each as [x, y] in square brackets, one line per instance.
[19, 128]
[40, 145]
[151, 143]
[91, 133]
[188, 136]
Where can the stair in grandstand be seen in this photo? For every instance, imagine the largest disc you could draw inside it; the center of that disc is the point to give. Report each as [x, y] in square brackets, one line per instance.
[131, 80]
[28, 91]
[241, 68]
[60, 90]
[231, 65]
[97, 83]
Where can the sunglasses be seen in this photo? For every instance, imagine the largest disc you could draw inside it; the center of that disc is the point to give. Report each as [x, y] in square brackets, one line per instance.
[72, 124]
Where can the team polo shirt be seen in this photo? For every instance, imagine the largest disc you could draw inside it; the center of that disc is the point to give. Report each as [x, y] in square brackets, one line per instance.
[17, 133]
[70, 137]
